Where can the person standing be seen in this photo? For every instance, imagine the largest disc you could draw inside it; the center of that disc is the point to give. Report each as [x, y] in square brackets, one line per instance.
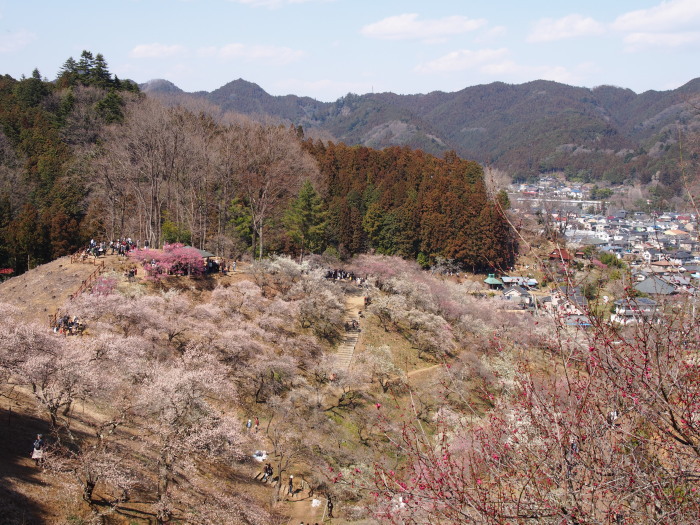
[257, 424]
[330, 506]
[38, 451]
[290, 492]
[249, 424]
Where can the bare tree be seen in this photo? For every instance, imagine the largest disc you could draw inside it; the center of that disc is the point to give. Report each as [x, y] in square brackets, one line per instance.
[272, 168]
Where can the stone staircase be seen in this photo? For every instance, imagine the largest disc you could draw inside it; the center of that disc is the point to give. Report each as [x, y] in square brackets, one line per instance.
[346, 349]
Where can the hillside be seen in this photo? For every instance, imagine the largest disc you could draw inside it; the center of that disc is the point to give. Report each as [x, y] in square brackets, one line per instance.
[441, 396]
[258, 318]
[38, 294]
[607, 132]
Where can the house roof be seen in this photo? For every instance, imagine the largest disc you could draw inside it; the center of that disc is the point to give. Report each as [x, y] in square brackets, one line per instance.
[523, 281]
[561, 254]
[573, 295]
[662, 262]
[203, 253]
[492, 279]
[656, 286]
[515, 289]
[635, 302]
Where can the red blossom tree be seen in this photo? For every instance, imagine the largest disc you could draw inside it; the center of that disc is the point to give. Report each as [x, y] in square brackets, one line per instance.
[173, 259]
[607, 433]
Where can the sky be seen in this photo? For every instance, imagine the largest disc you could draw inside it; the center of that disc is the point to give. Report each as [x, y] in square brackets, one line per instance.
[327, 48]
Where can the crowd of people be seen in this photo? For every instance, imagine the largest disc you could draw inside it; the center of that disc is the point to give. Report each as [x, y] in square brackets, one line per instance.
[67, 325]
[124, 246]
[337, 274]
[352, 326]
[121, 247]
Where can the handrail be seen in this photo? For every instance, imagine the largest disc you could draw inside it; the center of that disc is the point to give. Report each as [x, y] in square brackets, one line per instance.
[85, 285]
[87, 282]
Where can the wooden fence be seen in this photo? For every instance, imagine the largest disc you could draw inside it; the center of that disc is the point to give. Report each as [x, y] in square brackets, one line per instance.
[84, 286]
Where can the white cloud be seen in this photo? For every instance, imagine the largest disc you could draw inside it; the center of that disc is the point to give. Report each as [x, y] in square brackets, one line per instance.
[408, 26]
[574, 25]
[639, 41]
[463, 59]
[271, 54]
[496, 63]
[12, 42]
[670, 24]
[673, 15]
[156, 51]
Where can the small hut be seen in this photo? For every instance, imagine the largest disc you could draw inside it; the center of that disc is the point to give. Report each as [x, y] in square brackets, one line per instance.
[494, 282]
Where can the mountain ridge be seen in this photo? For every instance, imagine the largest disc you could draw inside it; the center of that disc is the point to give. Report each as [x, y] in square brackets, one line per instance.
[525, 128]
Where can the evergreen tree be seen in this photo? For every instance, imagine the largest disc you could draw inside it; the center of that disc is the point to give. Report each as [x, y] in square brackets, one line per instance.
[503, 200]
[68, 74]
[242, 221]
[31, 91]
[66, 106]
[110, 107]
[85, 66]
[306, 220]
[99, 74]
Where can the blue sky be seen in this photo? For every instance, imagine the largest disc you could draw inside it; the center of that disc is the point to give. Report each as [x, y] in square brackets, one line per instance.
[327, 48]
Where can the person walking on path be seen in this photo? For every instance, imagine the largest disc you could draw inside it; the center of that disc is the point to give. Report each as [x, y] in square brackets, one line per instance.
[267, 473]
[330, 506]
[38, 451]
[257, 424]
[290, 492]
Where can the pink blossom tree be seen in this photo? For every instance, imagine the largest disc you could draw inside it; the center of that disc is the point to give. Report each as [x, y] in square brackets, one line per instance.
[173, 259]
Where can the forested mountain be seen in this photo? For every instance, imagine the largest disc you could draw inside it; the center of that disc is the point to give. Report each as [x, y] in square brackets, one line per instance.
[605, 133]
[89, 157]
[44, 127]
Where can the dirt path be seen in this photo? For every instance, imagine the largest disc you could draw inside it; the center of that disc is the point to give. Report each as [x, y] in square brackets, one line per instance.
[423, 370]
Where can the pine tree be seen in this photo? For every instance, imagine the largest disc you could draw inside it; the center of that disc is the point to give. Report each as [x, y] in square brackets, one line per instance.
[68, 74]
[85, 66]
[31, 91]
[110, 107]
[306, 220]
[100, 75]
[242, 221]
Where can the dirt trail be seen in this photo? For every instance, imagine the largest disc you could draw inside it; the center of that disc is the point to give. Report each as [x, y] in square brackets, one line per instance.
[423, 370]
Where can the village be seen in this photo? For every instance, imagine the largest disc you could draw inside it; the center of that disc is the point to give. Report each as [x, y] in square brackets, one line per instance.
[656, 256]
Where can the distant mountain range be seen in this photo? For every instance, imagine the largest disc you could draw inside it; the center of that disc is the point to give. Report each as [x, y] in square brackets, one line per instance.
[605, 133]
